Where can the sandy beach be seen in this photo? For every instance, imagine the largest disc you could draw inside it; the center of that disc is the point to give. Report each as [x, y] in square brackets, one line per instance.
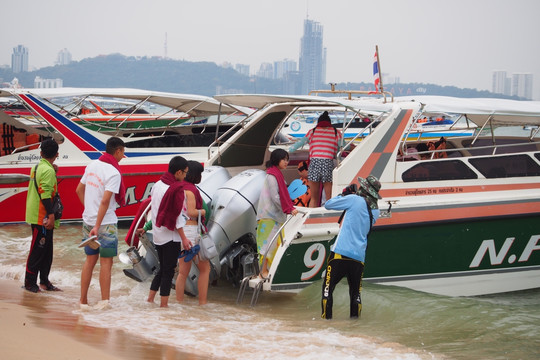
[33, 327]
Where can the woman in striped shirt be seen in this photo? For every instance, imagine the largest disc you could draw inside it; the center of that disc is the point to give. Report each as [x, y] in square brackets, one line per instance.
[324, 141]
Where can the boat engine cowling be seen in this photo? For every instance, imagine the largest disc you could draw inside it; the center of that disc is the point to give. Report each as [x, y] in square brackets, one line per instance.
[233, 219]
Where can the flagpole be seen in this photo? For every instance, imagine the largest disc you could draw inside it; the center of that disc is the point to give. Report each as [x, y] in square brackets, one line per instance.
[381, 90]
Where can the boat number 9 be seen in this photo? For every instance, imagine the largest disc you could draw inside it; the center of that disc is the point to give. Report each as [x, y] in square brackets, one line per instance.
[314, 260]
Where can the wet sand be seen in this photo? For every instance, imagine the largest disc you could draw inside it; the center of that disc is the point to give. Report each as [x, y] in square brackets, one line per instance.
[34, 327]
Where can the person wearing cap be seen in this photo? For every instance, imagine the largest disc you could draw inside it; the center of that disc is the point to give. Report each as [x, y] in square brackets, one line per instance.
[348, 253]
[324, 143]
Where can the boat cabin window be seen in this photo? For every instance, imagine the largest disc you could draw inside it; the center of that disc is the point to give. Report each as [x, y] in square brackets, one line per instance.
[250, 148]
[430, 170]
[506, 166]
[521, 145]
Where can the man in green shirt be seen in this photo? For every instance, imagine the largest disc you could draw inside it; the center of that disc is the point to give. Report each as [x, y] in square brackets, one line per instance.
[40, 215]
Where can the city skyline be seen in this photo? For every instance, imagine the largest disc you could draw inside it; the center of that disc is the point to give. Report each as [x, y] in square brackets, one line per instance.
[450, 44]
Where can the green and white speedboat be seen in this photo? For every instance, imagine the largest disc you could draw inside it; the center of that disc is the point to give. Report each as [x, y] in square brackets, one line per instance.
[464, 220]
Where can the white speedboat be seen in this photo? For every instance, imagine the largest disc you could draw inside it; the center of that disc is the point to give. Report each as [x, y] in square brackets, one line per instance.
[146, 158]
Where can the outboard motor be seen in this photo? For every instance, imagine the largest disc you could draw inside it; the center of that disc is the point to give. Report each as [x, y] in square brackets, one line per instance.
[213, 177]
[233, 220]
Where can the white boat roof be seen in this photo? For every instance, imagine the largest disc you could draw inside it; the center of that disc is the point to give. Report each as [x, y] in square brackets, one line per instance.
[195, 105]
[260, 101]
[502, 112]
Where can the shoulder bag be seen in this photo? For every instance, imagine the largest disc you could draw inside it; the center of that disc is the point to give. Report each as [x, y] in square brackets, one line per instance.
[58, 207]
[208, 248]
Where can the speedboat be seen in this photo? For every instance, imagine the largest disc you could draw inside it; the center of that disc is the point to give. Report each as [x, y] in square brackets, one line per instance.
[460, 221]
[146, 158]
[352, 125]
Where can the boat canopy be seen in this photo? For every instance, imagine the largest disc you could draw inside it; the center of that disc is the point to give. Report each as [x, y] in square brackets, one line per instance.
[194, 105]
[500, 112]
[260, 101]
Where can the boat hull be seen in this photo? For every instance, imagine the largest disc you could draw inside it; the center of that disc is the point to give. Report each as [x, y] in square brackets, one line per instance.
[137, 178]
[457, 258]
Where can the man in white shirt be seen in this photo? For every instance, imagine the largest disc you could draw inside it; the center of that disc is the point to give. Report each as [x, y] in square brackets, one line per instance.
[101, 180]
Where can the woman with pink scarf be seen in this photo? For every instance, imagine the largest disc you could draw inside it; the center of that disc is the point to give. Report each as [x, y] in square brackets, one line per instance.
[274, 206]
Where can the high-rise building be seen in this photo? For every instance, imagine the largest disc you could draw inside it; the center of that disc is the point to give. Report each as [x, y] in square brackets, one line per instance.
[282, 67]
[501, 83]
[266, 71]
[64, 57]
[522, 85]
[19, 59]
[312, 64]
[40, 83]
[242, 69]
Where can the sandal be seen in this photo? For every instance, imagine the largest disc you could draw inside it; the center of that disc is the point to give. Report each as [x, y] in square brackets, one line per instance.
[32, 288]
[188, 255]
[49, 287]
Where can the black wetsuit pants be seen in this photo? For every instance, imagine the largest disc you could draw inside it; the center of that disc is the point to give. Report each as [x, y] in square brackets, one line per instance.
[40, 257]
[337, 268]
[168, 258]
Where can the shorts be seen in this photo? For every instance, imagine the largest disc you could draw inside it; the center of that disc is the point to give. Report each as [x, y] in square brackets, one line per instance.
[192, 233]
[107, 237]
[320, 170]
[266, 231]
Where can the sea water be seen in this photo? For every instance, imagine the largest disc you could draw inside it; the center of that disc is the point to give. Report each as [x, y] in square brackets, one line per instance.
[396, 323]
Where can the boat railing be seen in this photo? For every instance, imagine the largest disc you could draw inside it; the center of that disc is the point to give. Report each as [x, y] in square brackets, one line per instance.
[469, 151]
[349, 93]
[280, 232]
[347, 144]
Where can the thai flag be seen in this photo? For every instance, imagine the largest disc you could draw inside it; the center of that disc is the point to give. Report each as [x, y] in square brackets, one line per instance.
[376, 78]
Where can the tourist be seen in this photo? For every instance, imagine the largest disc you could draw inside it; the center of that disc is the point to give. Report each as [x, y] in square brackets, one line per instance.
[194, 209]
[168, 222]
[324, 143]
[274, 205]
[40, 216]
[303, 200]
[348, 253]
[101, 180]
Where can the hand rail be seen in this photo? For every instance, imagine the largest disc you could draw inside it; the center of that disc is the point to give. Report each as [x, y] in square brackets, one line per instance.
[278, 234]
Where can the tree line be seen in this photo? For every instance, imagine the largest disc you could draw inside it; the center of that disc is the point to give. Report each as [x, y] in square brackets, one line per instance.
[201, 78]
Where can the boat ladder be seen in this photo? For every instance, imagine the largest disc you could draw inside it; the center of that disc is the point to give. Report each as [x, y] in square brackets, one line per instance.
[253, 282]
[257, 281]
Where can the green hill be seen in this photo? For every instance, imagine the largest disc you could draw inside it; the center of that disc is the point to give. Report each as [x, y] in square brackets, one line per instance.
[202, 78]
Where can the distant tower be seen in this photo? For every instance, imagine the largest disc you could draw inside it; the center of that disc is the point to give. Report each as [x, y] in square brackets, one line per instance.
[522, 85]
[19, 59]
[64, 57]
[282, 67]
[312, 64]
[501, 83]
[165, 47]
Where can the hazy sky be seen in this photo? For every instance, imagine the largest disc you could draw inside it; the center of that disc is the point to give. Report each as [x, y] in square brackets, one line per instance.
[454, 42]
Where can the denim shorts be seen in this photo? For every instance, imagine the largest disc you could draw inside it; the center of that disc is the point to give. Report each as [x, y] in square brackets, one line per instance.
[107, 237]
